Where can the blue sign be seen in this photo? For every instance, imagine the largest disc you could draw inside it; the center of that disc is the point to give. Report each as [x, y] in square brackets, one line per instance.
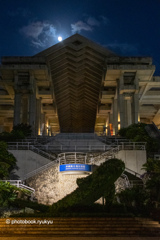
[75, 167]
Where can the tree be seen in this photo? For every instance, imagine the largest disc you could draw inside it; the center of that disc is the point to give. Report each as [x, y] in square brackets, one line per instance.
[137, 133]
[25, 129]
[7, 161]
[19, 131]
[153, 183]
[135, 197]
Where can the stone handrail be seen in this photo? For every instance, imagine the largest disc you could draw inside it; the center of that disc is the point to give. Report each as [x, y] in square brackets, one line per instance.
[122, 183]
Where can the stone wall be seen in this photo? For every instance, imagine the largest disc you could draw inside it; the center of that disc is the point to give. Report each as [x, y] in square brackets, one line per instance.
[51, 185]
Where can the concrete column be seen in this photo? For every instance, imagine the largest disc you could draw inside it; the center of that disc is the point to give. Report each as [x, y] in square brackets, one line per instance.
[32, 112]
[122, 110]
[111, 121]
[42, 124]
[46, 125]
[129, 112]
[25, 110]
[44, 120]
[135, 108]
[17, 109]
[38, 116]
[108, 127]
[136, 82]
[115, 117]
[1, 128]
[111, 115]
[121, 82]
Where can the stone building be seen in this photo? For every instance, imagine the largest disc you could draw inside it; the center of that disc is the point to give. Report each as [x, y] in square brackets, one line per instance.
[78, 86]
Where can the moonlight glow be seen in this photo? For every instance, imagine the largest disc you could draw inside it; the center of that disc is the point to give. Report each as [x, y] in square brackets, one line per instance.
[59, 38]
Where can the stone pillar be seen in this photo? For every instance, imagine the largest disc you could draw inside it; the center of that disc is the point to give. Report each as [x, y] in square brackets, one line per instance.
[17, 109]
[32, 112]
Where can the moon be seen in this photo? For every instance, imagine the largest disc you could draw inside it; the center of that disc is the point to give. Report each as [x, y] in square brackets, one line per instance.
[59, 38]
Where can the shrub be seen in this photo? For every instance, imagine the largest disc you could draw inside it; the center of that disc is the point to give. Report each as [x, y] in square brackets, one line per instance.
[8, 193]
[34, 205]
[99, 183]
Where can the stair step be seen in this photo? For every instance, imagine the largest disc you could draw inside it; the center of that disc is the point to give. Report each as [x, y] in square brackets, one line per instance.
[79, 226]
[91, 227]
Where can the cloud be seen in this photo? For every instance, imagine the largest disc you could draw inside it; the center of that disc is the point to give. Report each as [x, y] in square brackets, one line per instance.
[33, 30]
[79, 26]
[38, 43]
[88, 24]
[40, 33]
[93, 21]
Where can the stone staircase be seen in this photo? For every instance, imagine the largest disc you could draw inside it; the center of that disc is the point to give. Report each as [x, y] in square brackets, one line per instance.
[79, 227]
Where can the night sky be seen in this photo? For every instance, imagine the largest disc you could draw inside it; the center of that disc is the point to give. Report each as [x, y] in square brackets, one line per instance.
[129, 28]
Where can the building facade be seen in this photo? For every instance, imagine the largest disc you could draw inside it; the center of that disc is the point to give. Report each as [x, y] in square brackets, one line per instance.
[78, 86]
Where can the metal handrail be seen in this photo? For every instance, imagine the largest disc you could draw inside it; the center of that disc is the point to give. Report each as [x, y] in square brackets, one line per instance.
[42, 153]
[133, 172]
[136, 182]
[58, 160]
[41, 169]
[19, 184]
[105, 156]
[28, 146]
[72, 157]
[75, 148]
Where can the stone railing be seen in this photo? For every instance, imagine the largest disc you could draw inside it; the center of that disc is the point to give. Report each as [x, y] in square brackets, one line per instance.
[122, 183]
